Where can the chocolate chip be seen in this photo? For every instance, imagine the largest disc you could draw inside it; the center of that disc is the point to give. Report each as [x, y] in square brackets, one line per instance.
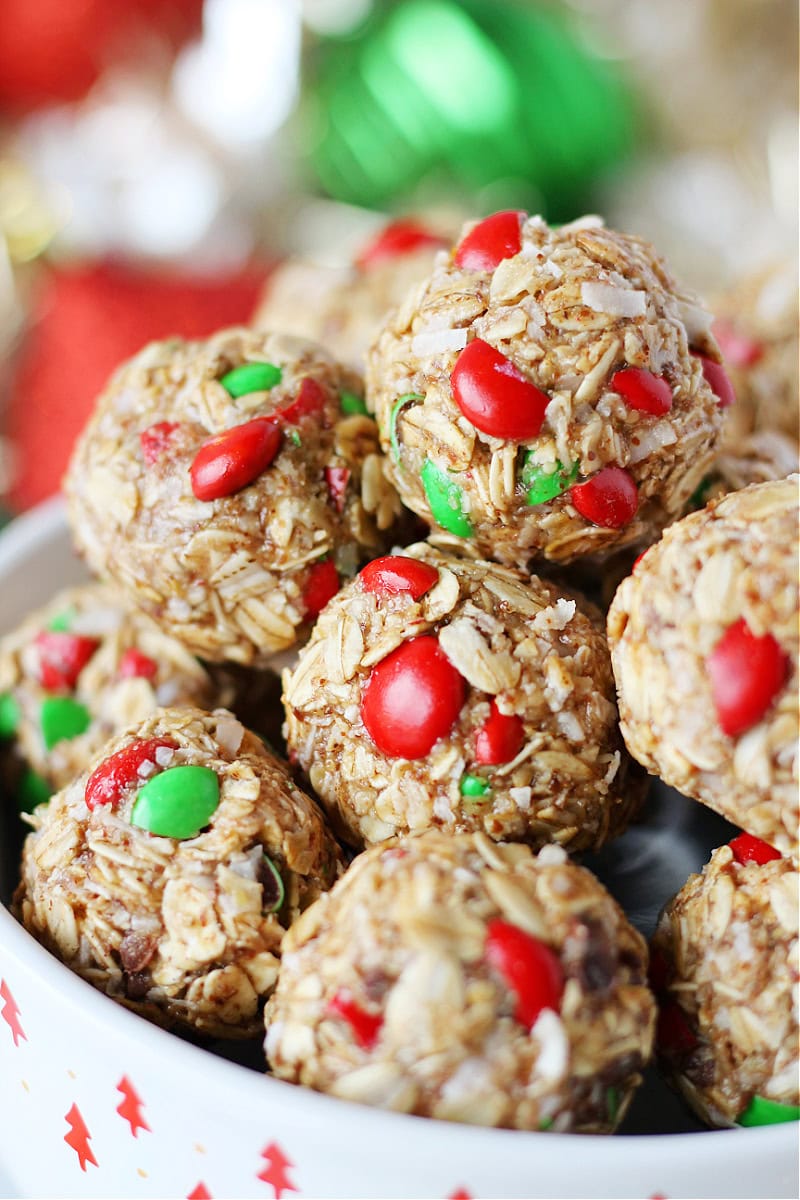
[137, 984]
[136, 950]
[589, 955]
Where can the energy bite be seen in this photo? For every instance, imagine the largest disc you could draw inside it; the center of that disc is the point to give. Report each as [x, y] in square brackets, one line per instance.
[77, 672]
[463, 979]
[725, 962]
[704, 641]
[224, 485]
[438, 691]
[167, 874]
[342, 307]
[545, 393]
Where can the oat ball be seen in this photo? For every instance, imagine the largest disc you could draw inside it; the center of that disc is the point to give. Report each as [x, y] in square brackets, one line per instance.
[725, 964]
[755, 458]
[704, 639]
[167, 873]
[756, 327]
[438, 691]
[343, 306]
[75, 673]
[228, 485]
[459, 978]
[544, 394]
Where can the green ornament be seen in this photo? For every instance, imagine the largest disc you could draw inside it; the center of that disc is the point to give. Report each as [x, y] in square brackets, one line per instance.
[542, 485]
[761, 1111]
[62, 719]
[32, 790]
[10, 714]
[274, 886]
[178, 803]
[62, 622]
[503, 104]
[446, 501]
[472, 787]
[251, 377]
[352, 405]
[400, 403]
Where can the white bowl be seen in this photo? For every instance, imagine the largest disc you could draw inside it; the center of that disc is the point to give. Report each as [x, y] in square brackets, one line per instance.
[94, 1101]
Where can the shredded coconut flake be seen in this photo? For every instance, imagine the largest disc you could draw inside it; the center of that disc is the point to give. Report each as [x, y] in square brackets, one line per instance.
[164, 755]
[438, 341]
[648, 440]
[556, 616]
[552, 856]
[230, 733]
[615, 301]
[97, 622]
[554, 1052]
[145, 769]
[696, 319]
[521, 797]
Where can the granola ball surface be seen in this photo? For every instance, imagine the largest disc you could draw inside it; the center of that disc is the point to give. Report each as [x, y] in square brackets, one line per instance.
[704, 643]
[167, 874]
[725, 961]
[342, 306]
[223, 486]
[438, 691]
[543, 394]
[78, 671]
[459, 978]
[757, 329]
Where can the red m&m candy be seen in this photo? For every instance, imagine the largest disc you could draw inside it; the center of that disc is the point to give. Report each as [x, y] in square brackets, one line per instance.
[155, 439]
[610, 498]
[123, 770]
[396, 573]
[749, 849]
[62, 657]
[500, 737]
[746, 673]
[717, 379]
[529, 967]
[412, 698]
[366, 1026]
[642, 390]
[490, 241]
[322, 584]
[231, 460]
[495, 396]
[396, 239]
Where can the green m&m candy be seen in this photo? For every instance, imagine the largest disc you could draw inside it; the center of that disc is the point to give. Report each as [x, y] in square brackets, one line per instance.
[446, 501]
[177, 803]
[62, 622]
[472, 787]
[545, 483]
[251, 377]
[32, 790]
[62, 719]
[9, 715]
[761, 1111]
[352, 405]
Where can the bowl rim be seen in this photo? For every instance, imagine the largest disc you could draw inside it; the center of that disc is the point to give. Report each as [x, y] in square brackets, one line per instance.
[709, 1148]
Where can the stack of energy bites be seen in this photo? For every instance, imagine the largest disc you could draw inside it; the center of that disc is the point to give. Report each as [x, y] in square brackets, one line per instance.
[396, 905]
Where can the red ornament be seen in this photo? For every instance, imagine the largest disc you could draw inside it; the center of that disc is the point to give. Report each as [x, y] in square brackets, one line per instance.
[396, 573]
[737, 348]
[276, 1171]
[495, 396]
[231, 460]
[674, 1035]
[79, 1137]
[642, 390]
[530, 969]
[62, 657]
[336, 480]
[490, 241]
[500, 737]
[322, 584]
[309, 402]
[134, 664]
[155, 439]
[365, 1025]
[199, 1192]
[412, 698]
[746, 674]
[10, 1013]
[396, 239]
[116, 773]
[749, 849]
[718, 381]
[130, 1107]
[610, 498]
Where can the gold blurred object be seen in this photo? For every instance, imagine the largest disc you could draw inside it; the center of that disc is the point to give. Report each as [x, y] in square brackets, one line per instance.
[28, 220]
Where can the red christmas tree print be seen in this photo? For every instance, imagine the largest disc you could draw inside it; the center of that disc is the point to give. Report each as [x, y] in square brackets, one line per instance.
[130, 1107]
[10, 1013]
[460, 1194]
[201, 1192]
[79, 1137]
[276, 1171]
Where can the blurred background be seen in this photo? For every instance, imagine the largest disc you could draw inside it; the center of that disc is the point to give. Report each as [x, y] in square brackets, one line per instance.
[159, 157]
